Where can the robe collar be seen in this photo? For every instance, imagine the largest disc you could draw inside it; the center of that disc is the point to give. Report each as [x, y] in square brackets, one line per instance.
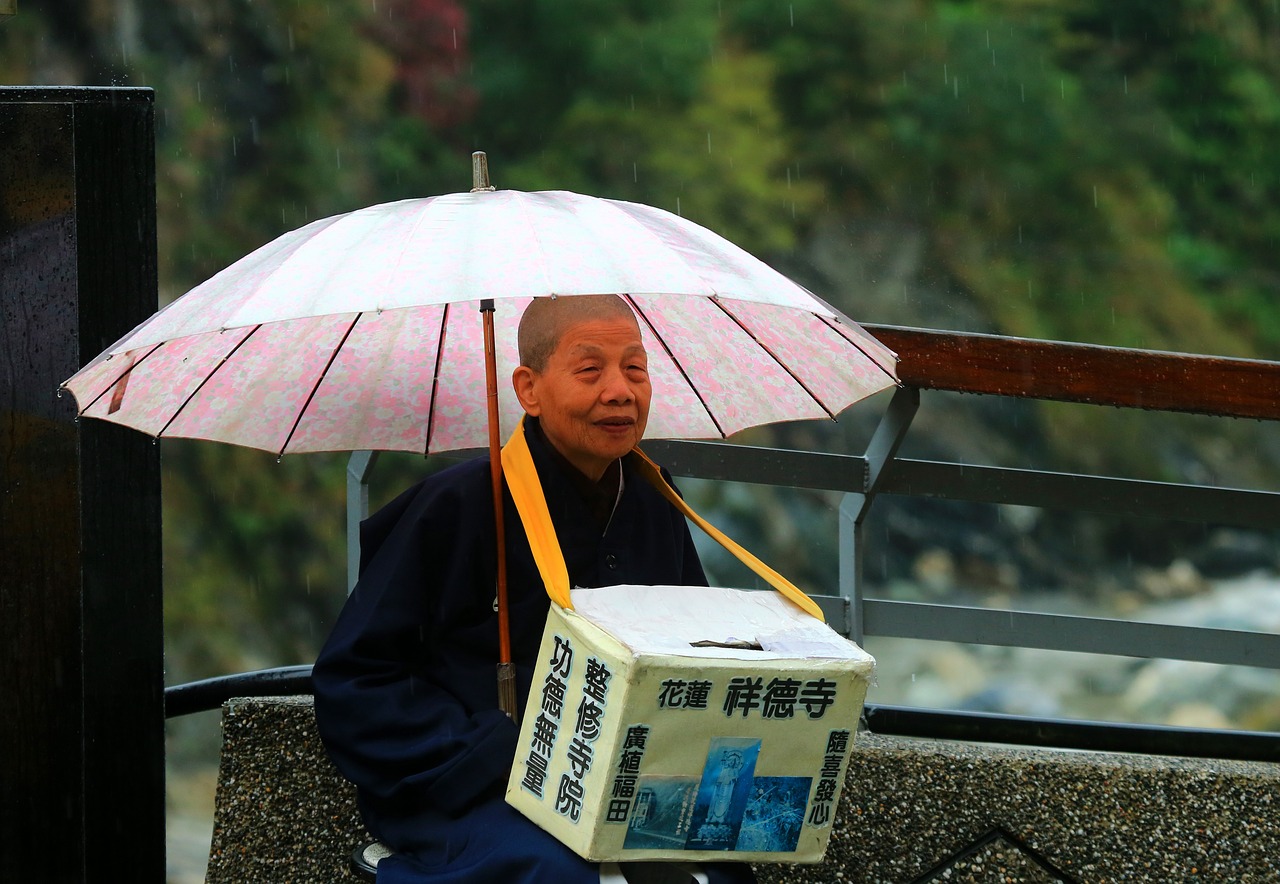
[601, 498]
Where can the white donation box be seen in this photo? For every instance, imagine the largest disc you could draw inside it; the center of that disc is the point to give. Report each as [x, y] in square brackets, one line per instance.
[688, 723]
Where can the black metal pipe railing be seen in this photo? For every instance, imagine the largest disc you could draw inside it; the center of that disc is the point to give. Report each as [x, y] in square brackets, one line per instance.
[901, 721]
[1052, 733]
[210, 693]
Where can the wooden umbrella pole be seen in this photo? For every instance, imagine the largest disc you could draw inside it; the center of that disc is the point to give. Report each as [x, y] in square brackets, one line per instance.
[506, 671]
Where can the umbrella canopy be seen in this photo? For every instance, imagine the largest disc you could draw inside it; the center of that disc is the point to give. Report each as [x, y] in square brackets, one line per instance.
[362, 331]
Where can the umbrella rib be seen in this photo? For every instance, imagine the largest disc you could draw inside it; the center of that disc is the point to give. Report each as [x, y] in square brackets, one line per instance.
[435, 380]
[676, 362]
[128, 370]
[519, 199]
[839, 329]
[774, 356]
[221, 362]
[316, 386]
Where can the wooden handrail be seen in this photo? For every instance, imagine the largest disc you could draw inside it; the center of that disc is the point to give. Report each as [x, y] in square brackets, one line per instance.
[1127, 378]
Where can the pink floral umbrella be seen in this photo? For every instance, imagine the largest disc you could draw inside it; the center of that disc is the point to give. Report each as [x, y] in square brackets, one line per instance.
[362, 331]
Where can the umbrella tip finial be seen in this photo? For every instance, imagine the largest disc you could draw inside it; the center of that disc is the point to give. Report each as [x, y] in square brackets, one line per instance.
[480, 172]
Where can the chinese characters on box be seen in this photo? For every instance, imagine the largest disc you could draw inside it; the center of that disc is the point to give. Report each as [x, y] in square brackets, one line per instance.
[631, 754]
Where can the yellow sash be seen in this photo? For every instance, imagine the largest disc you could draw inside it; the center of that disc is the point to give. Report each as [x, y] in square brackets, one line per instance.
[531, 504]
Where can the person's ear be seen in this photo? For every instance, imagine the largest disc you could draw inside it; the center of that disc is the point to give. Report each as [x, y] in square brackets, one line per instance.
[524, 381]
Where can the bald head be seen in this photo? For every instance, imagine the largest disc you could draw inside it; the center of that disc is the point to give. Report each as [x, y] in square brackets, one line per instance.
[545, 321]
[584, 375]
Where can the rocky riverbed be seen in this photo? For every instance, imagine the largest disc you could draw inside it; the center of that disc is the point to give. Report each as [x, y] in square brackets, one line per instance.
[1020, 681]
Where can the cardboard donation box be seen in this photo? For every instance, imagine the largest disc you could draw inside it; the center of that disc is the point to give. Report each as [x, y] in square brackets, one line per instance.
[687, 723]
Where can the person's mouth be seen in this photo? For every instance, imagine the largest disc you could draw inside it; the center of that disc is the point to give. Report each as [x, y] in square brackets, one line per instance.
[616, 425]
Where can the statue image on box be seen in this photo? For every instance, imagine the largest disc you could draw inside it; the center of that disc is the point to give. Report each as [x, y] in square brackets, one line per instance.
[723, 793]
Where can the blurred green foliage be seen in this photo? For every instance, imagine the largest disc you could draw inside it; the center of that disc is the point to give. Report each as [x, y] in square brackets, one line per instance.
[1084, 170]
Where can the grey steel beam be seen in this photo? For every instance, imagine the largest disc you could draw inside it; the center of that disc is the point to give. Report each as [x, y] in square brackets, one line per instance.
[888, 437]
[970, 482]
[836, 611]
[881, 451]
[1059, 632]
[849, 550]
[359, 466]
[723, 462]
[1067, 491]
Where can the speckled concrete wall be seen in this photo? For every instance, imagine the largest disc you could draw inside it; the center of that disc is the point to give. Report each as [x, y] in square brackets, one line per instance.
[283, 812]
[912, 811]
[915, 810]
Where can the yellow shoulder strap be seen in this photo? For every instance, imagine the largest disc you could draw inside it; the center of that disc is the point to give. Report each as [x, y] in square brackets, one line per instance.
[531, 504]
[651, 472]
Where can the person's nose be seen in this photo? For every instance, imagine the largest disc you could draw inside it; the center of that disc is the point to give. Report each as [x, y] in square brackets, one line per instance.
[616, 389]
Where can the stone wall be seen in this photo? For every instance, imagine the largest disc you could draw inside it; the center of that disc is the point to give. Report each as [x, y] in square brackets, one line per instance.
[912, 811]
[915, 810]
[283, 812]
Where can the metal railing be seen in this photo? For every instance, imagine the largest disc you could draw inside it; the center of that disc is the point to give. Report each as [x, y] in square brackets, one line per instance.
[1018, 368]
[858, 617]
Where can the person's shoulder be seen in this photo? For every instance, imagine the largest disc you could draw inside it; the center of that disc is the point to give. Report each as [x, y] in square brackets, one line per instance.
[440, 504]
[459, 475]
[449, 489]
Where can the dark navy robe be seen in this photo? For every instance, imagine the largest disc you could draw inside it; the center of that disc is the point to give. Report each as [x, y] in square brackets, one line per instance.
[405, 686]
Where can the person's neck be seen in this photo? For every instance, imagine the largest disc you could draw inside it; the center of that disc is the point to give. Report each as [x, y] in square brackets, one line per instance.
[601, 494]
[596, 476]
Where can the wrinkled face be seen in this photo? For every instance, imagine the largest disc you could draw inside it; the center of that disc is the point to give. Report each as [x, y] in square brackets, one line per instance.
[592, 397]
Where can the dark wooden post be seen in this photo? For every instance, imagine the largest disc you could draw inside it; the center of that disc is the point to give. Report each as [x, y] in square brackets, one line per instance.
[81, 634]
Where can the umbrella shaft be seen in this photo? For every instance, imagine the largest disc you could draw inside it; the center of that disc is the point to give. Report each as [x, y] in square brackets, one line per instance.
[495, 472]
[507, 700]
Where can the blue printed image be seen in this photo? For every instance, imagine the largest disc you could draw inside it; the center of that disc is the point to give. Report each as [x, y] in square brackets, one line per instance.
[723, 793]
[775, 814]
[661, 814]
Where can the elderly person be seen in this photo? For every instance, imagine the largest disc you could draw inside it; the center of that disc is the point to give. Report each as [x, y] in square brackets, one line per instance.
[406, 697]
